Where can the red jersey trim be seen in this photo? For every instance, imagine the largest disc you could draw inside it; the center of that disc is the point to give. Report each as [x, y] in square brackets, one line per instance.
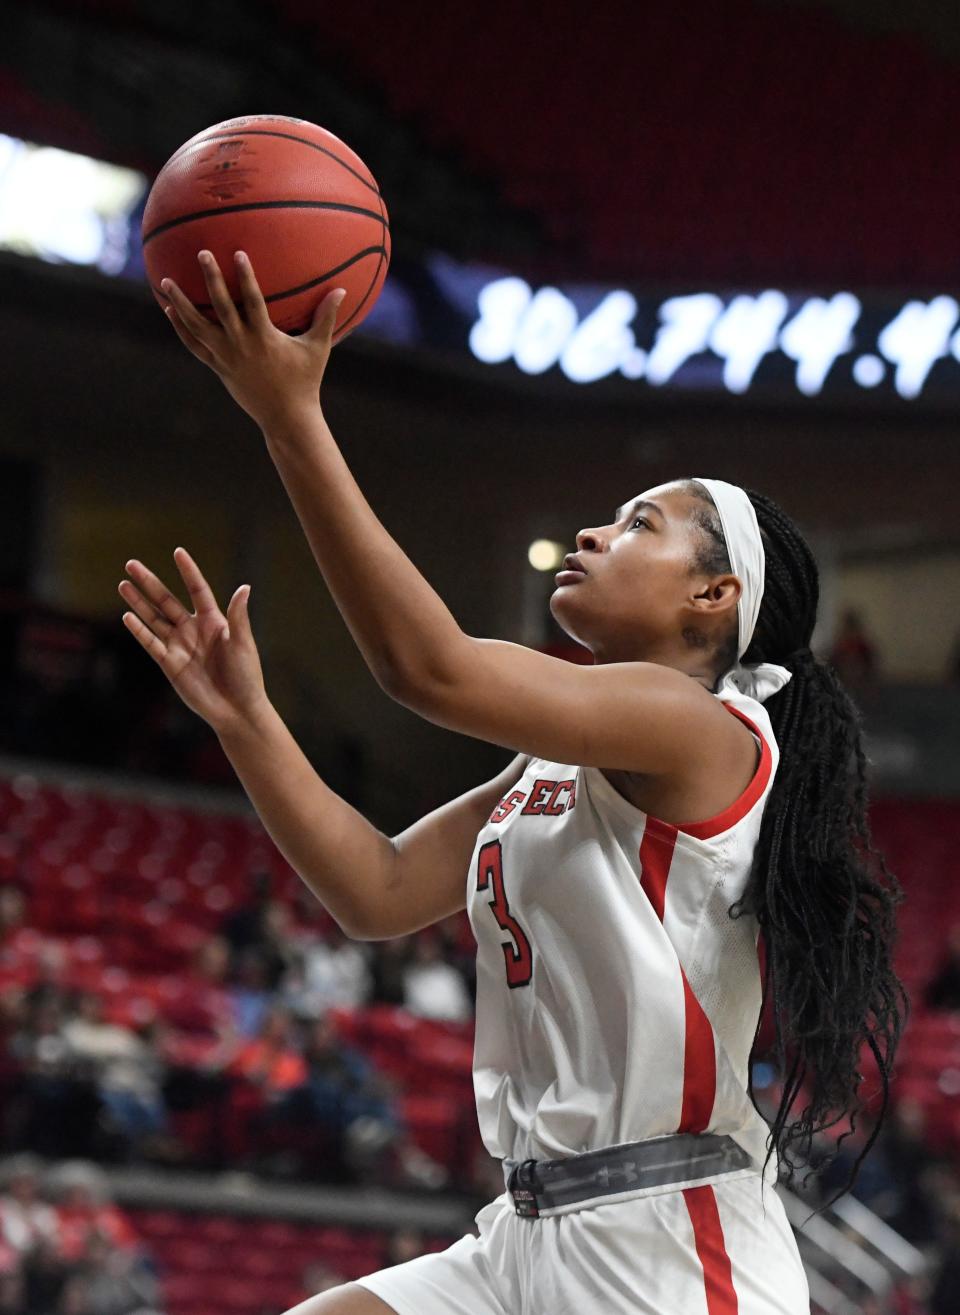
[712, 826]
[656, 855]
[699, 1091]
[708, 1238]
[699, 1064]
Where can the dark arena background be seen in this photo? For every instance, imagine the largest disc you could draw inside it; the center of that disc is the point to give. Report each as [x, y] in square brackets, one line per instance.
[632, 241]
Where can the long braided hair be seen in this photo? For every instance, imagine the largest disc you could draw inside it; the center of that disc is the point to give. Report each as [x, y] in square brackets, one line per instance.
[821, 892]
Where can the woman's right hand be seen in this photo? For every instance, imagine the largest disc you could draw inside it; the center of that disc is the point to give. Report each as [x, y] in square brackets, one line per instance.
[210, 659]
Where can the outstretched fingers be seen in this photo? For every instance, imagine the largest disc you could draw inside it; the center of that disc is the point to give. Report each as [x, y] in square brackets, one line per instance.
[145, 637]
[201, 595]
[144, 609]
[191, 318]
[254, 305]
[325, 317]
[192, 344]
[220, 298]
[167, 604]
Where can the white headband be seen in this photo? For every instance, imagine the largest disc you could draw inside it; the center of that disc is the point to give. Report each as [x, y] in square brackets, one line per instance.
[747, 562]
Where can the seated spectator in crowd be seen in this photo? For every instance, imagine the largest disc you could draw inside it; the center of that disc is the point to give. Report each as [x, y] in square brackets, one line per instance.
[250, 996]
[943, 991]
[345, 1102]
[316, 1278]
[54, 1106]
[211, 964]
[26, 1221]
[340, 1084]
[12, 1293]
[402, 1245]
[125, 1067]
[329, 971]
[346, 1095]
[432, 987]
[388, 967]
[945, 1296]
[13, 910]
[261, 925]
[107, 1281]
[915, 1209]
[82, 1258]
[460, 948]
[30, 1238]
[85, 1210]
[853, 653]
[271, 1061]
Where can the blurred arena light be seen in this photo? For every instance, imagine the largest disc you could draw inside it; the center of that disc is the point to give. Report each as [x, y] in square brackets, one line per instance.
[63, 207]
[545, 554]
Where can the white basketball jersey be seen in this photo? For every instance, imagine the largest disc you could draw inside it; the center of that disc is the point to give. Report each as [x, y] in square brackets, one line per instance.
[617, 1000]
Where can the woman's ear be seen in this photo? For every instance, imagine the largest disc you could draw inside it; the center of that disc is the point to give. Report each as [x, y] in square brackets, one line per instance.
[726, 590]
[718, 594]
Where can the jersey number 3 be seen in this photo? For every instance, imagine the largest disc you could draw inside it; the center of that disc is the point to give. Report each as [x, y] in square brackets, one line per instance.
[518, 957]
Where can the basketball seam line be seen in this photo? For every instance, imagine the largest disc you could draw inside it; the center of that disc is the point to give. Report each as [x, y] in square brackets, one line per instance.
[286, 136]
[302, 287]
[263, 205]
[340, 333]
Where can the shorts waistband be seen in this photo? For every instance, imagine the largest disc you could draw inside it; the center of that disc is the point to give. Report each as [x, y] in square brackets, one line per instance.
[541, 1186]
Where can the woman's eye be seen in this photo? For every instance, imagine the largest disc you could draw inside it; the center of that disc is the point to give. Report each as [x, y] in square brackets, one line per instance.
[639, 521]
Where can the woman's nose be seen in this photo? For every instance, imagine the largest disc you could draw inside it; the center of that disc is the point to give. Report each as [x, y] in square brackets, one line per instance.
[590, 541]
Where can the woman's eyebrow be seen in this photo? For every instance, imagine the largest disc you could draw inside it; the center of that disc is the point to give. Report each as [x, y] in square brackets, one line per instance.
[639, 505]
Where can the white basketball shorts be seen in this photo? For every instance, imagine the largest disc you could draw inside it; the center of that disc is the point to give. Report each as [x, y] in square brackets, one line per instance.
[711, 1249]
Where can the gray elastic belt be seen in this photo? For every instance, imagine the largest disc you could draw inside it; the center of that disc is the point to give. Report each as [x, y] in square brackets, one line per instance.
[538, 1185]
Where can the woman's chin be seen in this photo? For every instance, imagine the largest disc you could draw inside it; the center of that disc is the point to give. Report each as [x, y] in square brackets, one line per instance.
[565, 620]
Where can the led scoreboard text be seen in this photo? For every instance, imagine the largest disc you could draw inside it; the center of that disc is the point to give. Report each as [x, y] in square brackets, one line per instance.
[731, 337]
[64, 208]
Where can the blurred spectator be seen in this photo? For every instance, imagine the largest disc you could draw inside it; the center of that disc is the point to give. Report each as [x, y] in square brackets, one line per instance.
[12, 1294]
[260, 926]
[945, 1296]
[44, 1273]
[432, 987]
[389, 966]
[853, 653]
[125, 1067]
[339, 1086]
[943, 990]
[54, 1108]
[249, 995]
[329, 971]
[13, 908]
[271, 1061]
[403, 1245]
[85, 1211]
[460, 948]
[913, 1211]
[109, 1282]
[317, 1278]
[211, 963]
[26, 1221]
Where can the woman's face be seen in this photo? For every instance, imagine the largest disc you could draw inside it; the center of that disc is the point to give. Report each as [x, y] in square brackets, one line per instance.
[635, 600]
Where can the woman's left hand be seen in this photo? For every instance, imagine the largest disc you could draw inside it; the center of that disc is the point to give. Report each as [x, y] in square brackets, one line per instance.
[273, 376]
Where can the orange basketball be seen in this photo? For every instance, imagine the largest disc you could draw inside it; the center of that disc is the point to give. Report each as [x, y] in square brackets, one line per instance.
[296, 199]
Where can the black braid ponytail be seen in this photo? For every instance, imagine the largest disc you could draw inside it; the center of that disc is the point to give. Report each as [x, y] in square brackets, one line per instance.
[821, 892]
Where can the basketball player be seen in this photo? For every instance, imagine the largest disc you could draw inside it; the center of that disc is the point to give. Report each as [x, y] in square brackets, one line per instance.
[701, 783]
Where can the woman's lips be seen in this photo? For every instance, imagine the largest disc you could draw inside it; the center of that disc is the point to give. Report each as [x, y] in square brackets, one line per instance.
[569, 577]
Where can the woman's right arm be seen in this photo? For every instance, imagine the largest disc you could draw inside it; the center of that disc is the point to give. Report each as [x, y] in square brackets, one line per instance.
[374, 886]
